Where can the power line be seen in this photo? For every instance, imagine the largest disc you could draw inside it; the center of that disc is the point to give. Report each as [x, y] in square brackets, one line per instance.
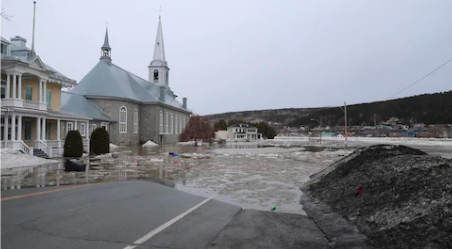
[436, 69]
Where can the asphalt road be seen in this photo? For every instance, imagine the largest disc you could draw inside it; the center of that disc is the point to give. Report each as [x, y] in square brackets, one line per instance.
[142, 214]
[110, 215]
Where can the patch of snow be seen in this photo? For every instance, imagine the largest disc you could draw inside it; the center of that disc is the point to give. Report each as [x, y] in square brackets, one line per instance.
[106, 155]
[14, 159]
[149, 143]
[113, 146]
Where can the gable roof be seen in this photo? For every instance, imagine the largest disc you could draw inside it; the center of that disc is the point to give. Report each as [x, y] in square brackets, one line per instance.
[24, 58]
[241, 125]
[78, 104]
[109, 80]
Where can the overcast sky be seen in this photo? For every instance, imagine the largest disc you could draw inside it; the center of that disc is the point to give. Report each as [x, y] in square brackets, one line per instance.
[252, 54]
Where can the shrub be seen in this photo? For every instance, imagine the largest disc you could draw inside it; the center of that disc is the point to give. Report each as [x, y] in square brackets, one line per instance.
[73, 145]
[100, 141]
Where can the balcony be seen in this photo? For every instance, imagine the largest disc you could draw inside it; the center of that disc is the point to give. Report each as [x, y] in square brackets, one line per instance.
[29, 104]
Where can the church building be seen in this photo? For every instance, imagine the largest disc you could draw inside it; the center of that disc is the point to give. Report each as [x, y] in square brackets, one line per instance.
[132, 109]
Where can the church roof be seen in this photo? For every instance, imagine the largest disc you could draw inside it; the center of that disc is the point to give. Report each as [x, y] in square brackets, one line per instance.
[109, 80]
[82, 106]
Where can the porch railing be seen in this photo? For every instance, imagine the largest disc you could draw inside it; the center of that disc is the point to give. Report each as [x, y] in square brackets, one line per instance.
[42, 146]
[31, 104]
[25, 149]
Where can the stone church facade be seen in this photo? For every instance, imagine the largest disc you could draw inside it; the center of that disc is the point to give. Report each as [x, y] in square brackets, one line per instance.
[137, 110]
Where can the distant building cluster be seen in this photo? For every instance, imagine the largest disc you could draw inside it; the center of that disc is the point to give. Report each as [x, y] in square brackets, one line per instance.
[390, 128]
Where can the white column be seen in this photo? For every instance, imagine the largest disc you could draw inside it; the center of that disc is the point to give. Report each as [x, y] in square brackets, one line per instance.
[5, 132]
[40, 92]
[75, 125]
[44, 95]
[58, 129]
[38, 129]
[87, 130]
[14, 87]
[43, 129]
[13, 127]
[8, 85]
[19, 127]
[20, 87]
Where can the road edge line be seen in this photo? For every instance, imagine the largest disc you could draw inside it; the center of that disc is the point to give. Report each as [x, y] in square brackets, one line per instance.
[52, 191]
[167, 224]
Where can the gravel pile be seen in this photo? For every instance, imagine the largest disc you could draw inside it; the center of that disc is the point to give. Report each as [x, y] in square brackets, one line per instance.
[398, 196]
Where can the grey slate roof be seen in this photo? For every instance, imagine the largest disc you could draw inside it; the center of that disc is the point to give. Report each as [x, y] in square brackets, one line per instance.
[82, 106]
[109, 80]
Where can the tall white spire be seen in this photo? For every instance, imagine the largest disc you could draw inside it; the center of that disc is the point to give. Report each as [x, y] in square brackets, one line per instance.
[159, 49]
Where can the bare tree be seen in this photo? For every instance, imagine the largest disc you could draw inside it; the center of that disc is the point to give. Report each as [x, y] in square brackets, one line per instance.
[197, 128]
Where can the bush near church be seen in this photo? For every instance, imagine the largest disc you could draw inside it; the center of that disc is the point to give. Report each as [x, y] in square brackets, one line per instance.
[99, 142]
[73, 144]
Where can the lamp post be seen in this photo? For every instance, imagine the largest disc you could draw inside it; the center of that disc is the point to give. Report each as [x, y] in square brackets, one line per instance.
[345, 122]
[320, 123]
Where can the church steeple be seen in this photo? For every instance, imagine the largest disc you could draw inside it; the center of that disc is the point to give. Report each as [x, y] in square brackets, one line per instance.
[158, 68]
[159, 49]
[106, 49]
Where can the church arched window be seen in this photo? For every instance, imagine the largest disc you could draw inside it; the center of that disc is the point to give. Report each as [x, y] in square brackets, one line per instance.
[123, 120]
[156, 76]
[135, 121]
[176, 125]
[172, 124]
[161, 121]
[166, 122]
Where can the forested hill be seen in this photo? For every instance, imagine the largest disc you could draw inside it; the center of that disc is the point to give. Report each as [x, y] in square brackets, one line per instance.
[283, 116]
[426, 108]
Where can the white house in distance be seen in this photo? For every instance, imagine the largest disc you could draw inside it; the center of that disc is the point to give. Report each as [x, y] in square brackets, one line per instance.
[240, 132]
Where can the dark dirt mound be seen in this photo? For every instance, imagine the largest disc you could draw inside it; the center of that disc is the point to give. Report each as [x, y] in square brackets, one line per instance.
[405, 199]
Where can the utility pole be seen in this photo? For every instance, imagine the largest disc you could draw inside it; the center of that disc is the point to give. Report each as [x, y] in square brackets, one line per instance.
[345, 111]
[345, 122]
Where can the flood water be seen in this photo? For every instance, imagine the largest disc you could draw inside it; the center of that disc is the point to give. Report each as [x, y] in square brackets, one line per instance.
[250, 175]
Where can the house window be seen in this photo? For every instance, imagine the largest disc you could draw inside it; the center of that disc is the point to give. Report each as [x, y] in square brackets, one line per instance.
[48, 126]
[180, 125]
[4, 49]
[48, 98]
[3, 89]
[166, 122]
[156, 76]
[172, 124]
[123, 120]
[82, 129]
[161, 121]
[70, 126]
[135, 121]
[28, 93]
[27, 128]
[176, 126]
[93, 127]
[104, 126]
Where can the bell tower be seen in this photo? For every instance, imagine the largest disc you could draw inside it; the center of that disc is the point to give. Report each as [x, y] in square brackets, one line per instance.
[106, 49]
[158, 68]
